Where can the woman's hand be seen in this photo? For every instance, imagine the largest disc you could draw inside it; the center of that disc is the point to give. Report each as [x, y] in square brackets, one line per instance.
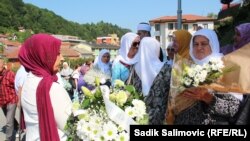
[198, 93]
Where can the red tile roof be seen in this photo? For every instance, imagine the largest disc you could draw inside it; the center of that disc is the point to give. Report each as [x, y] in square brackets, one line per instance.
[10, 43]
[185, 18]
[67, 51]
[11, 52]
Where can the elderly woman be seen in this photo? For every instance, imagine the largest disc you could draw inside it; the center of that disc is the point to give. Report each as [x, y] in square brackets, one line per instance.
[241, 38]
[46, 104]
[210, 108]
[126, 58]
[152, 78]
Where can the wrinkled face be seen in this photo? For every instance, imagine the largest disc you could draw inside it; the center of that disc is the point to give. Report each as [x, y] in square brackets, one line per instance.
[134, 48]
[106, 58]
[237, 37]
[201, 47]
[57, 64]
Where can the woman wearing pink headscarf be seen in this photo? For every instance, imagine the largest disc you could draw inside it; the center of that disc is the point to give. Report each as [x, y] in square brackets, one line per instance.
[46, 104]
[241, 38]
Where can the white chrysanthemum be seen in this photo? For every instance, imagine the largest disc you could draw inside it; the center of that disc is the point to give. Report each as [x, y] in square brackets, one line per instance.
[83, 114]
[130, 111]
[139, 108]
[91, 75]
[187, 81]
[202, 75]
[110, 131]
[123, 136]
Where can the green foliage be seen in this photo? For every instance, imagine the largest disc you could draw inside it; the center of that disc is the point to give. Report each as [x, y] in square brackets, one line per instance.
[14, 14]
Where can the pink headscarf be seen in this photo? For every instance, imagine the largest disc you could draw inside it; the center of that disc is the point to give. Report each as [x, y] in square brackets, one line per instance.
[84, 69]
[244, 30]
[38, 55]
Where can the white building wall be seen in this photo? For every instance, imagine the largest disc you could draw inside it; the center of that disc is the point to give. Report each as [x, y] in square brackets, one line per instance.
[165, 33]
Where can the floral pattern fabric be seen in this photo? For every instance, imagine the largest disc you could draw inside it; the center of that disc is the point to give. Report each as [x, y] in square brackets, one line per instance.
[223, 107]
[156, 101]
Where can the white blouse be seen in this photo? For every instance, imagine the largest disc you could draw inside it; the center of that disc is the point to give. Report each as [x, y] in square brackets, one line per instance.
[61, 104]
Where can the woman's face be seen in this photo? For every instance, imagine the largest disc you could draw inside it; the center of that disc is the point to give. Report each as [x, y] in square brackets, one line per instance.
[106, 58]
[201, 47]
[175, 45]
[57, 64]
[134, 48]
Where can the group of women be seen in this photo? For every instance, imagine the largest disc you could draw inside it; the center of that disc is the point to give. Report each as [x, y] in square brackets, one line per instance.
[46, 104]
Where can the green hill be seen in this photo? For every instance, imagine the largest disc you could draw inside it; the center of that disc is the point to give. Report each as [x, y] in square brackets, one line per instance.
[15, 13]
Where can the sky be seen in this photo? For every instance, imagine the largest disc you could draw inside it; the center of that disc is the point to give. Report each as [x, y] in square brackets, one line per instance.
[124, 13]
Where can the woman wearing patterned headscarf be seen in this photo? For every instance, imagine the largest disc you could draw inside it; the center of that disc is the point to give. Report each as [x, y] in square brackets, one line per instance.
[241, 38]
[46, 104]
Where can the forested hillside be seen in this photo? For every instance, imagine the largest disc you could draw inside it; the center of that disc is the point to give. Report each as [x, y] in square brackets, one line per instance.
[15, 13]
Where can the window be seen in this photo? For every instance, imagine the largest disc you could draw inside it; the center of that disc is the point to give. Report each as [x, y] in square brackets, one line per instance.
[175, 25]
[205, 26]
[170, 26]
[195, 26]
[158, 38]
[185, 26]
[157, 27]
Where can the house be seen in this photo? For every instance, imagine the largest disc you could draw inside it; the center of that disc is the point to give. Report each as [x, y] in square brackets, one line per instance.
[163, 27]
[111, 39]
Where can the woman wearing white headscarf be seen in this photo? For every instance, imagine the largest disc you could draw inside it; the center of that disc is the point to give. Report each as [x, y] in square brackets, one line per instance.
[152, 78]
[126, 58]
[103, 62]
[210, 107]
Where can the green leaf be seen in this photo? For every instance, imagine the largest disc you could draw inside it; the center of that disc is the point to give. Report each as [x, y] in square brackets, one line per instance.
[86, 103]
[130, 88]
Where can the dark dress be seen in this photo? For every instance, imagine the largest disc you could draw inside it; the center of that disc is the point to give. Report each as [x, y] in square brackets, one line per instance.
[156, 101]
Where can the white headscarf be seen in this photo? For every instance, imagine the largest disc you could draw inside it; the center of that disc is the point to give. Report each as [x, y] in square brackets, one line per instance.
[149, 64]
[213, 42]
[105, 68]
[126, 42]
[144, 26]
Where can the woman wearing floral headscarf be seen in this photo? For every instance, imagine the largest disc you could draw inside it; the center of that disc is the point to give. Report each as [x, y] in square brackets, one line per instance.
[46, 104]
[210, 107]
[126, 58]
[241, 38]
[152, 78]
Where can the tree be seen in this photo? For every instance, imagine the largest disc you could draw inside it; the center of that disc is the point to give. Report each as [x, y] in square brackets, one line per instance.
[226, 2]
[212, 15]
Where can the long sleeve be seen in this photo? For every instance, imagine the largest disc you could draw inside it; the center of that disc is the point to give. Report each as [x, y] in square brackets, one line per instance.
[225, 105]
[61, 104]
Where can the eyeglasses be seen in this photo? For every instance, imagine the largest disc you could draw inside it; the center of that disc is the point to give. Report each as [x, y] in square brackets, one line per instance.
[135, 44]
[170, 49]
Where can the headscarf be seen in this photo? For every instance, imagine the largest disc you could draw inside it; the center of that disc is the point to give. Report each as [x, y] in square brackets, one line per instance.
[126, 43]
[144, 27]
[183, 38]
[213, 42]
[38, 55]
[66, 71]
[244, 30]
[149, 64]
[105, 68]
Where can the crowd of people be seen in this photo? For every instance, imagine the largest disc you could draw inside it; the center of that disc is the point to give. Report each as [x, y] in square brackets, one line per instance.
[45, 91]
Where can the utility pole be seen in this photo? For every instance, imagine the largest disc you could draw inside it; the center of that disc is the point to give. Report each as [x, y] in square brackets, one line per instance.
[179, 12]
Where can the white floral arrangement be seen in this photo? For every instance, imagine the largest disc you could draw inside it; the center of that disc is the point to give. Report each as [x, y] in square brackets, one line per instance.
[94, 73]
[105, 114]
[202, 74]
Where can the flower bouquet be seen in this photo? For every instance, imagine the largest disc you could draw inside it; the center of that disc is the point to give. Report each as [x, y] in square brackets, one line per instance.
[106, 113]
[185, 74]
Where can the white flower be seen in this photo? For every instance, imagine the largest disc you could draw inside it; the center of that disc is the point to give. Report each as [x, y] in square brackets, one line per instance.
[123, 136]
[110, 131]
[130, 111]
